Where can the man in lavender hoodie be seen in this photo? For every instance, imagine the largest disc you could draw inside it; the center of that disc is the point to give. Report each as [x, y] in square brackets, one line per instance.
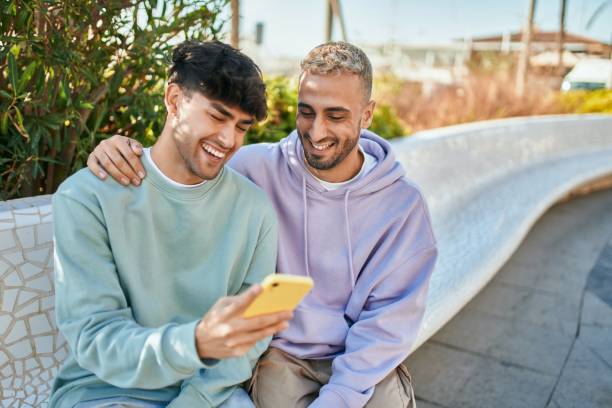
[350, 219]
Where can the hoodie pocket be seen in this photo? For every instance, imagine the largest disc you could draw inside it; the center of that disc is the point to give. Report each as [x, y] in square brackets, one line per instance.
[317, 325]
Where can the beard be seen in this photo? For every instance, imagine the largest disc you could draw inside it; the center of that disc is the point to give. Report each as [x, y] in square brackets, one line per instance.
[342, 150]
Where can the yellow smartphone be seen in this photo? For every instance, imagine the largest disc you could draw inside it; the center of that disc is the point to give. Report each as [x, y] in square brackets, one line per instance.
[280, 293]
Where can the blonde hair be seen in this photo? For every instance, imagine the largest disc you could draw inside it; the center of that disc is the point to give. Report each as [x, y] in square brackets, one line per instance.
[337, 57]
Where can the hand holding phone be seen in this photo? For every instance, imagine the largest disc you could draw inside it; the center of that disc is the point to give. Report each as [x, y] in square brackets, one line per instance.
[224, 332]
[280, 293]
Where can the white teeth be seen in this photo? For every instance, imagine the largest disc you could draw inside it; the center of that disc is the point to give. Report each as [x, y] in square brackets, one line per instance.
[213, 151]
[321, 146]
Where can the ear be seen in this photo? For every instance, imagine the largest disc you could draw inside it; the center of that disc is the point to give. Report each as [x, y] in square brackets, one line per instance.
[172, 97]
[368, 114]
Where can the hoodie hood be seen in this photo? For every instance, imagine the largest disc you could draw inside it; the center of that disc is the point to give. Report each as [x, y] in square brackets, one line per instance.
[386, 171]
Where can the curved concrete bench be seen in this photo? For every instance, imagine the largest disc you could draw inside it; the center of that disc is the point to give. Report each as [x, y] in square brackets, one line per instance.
[486, 184]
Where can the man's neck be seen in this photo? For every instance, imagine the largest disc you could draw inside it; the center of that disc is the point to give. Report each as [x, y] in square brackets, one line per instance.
[167, 158]
[343, 171]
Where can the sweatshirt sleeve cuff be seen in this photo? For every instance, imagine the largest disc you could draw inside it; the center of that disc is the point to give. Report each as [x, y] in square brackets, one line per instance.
[328, 398]
[180, 347]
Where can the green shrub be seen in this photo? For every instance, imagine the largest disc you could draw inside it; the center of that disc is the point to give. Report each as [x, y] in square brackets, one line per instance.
[282, 105]
[77, 71]
[386, 123]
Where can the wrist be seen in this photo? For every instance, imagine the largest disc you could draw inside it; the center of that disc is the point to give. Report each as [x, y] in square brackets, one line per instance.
[199, 340]
[179, 348]
[208, 361]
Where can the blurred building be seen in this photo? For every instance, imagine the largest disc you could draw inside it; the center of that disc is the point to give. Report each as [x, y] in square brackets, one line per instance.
[544, 47]
[542, 41]
[436, 63]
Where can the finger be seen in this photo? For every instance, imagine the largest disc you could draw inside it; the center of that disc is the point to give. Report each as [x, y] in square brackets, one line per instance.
[261, 322]
[239, 326]
[241, 351]
[238, 304]
[94, 166]
[116, 139]
[102, 159]
[113, 152]
[136, 147]
[255, 336]
[132, 159]
[108, 165]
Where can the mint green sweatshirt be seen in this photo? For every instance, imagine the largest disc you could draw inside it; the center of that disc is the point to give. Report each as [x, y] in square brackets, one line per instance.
[137, 268]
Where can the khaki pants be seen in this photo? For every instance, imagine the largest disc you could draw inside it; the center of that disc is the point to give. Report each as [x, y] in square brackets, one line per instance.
[283, 381]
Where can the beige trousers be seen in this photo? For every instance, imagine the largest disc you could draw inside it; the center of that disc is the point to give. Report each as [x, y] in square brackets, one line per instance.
[283, 381]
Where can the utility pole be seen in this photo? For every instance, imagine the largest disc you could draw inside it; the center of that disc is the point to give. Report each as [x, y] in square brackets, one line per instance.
[610, 78]
[523, 63]
[560, 68]
[333, 9]
[235, 23]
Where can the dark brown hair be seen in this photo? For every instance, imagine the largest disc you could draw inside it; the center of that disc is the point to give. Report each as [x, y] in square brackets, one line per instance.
[221, 72]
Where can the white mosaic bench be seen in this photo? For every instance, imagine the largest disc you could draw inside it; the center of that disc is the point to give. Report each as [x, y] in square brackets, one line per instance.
[486, 184]
[31, 348]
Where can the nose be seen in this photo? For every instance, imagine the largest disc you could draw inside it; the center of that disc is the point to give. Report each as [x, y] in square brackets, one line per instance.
[318, 130]
[227, 137]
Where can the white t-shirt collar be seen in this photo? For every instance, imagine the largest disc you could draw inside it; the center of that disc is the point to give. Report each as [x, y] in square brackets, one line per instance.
[147, 154]
[369, 162]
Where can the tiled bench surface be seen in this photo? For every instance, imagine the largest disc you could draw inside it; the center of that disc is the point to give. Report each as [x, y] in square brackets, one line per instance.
[486, 184]
[31, 349]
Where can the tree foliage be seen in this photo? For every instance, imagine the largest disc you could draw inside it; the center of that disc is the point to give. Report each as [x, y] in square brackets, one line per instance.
[74, 72]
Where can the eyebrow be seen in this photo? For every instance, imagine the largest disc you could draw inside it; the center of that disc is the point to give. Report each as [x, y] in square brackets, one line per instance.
[337, 109]
[222, 110]
[304, 105]
[330, 109]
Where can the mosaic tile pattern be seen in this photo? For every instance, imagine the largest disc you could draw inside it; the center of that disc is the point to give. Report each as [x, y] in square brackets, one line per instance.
[31, 348]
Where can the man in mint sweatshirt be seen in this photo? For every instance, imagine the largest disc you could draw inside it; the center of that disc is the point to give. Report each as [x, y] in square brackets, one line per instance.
[349, 218]
[151, 282]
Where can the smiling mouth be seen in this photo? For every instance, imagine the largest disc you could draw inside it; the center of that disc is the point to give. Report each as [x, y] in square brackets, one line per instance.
[321, 146]
[216, 154]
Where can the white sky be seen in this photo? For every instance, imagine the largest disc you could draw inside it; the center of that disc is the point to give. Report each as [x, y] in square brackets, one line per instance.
[293, 27]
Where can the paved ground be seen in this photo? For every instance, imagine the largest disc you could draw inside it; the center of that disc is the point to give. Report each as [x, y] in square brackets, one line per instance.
[540, 334]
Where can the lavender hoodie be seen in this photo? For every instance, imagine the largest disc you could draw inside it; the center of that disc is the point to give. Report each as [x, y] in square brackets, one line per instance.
[370, 249]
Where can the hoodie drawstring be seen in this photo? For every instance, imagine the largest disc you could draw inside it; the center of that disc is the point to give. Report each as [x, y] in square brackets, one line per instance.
[348, 238]
[347, 230]
[304, 196]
